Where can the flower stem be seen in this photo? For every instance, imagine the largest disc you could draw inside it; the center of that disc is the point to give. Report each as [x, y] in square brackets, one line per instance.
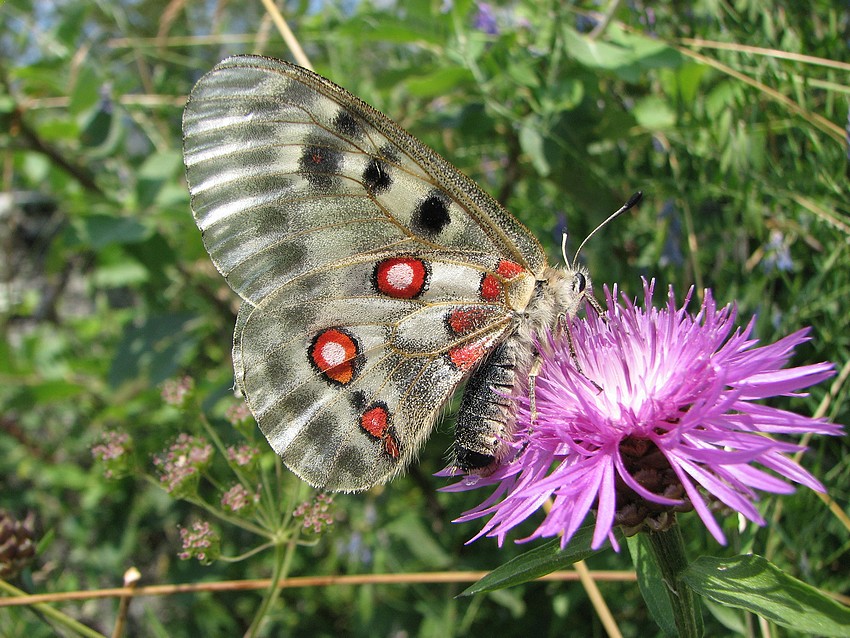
[668, 551]
[283, 554]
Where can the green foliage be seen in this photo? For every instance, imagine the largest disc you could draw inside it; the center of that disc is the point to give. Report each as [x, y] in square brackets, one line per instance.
[542, 560]
[107, 292]
[757, 585]
[652, 585]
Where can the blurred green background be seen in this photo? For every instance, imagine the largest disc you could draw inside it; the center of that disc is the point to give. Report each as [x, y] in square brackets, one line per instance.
[558, 110]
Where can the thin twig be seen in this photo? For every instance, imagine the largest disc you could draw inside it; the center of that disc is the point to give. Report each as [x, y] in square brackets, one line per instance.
[588, 580]
[131, 579]
[600, 27]
[35, 143]
[288, 37]
[596, 599]
[821, 212]
[53, 615]
[181, 41]
[302, 581]
[770, 53]
[818, 121]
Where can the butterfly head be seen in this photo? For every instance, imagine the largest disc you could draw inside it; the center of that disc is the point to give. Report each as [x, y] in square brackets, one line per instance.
[571, 288]
[560, 292]
[576, 288]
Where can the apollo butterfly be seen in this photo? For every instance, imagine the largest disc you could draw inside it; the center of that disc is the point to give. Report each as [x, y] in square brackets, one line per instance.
[374, 276]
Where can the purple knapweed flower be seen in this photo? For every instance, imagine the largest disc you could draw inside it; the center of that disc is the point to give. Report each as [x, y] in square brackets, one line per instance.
[650, 411]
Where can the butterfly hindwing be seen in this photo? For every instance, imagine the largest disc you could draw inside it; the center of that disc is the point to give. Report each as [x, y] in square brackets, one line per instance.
[374, 275]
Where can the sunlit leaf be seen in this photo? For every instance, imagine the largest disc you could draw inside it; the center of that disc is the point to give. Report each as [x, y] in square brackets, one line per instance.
[757, 585]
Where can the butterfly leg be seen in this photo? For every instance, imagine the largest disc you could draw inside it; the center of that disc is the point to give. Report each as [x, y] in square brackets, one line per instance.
[532, 386]
[533, 373]
[574, 356]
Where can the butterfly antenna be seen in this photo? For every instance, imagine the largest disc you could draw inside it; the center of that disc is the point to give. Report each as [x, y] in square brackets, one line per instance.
[634, 200]
[564, 236]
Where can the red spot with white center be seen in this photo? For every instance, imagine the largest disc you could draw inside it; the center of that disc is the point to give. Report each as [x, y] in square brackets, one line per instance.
[466, 320]
[333, 353]
[491, 284]
[401, 277]
[376, 421]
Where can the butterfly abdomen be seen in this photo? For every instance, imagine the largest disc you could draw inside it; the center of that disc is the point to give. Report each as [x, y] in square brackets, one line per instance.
[487, 409]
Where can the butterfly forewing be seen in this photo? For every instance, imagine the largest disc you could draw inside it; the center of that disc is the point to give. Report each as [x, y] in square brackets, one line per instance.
[375, 276]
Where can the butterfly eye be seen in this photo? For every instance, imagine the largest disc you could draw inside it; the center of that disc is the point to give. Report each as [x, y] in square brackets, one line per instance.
[580, 282]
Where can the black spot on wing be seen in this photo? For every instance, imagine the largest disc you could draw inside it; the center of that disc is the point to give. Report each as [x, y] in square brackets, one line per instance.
[350, 463]
[320, 165]
[358, 400]
[432, 214]
[346, 124]
[376, 176]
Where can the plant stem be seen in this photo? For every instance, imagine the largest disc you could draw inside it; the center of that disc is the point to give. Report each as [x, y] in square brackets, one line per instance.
[283, 554]
[668, 551]
[54, 615]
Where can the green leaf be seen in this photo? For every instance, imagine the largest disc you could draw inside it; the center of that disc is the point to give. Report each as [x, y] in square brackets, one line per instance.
[57, 129]
[594, 53]
[36, 167]
[629, 55]
[162, 166]
[439, 82]
[156, 347]
[96, 129]
[652, 585]
[158, 171]
[85, 94]
[385, 29]
[99, 231]
[755, 584]
[52, 390]
[410, 530]
[523, 73]
[684, 82]
[125, 273]
[533, 145]
[654, 113]
[731, 618]
[540, 561]
[565, 95]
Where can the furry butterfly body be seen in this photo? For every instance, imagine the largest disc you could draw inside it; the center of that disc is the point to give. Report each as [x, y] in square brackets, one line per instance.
[374, 276]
